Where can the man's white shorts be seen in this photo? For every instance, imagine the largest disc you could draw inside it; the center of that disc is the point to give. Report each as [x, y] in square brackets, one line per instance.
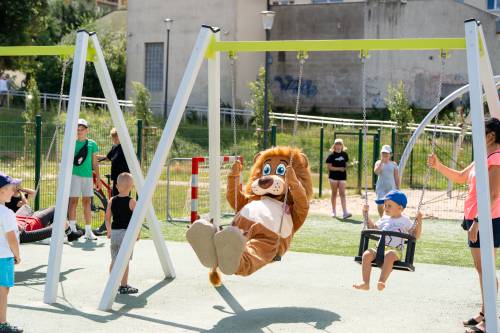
[81, 187]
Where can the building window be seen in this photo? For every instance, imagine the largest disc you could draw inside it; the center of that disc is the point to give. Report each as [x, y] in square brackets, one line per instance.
[493, 4]
[153, 76]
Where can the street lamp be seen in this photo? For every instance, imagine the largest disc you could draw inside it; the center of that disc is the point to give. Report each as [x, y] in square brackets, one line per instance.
[267, 23]
[168, 24]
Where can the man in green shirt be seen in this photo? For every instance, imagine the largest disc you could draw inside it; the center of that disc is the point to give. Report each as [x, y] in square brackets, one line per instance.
[84, 162]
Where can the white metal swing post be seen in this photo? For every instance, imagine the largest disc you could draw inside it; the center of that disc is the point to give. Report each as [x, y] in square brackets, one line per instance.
[480, 75]
[156, 166]
[62, 198]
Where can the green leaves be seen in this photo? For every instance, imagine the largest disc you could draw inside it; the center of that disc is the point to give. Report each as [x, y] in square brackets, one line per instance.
[399, 106]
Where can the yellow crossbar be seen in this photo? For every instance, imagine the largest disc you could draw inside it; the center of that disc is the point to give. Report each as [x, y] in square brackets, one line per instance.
[341, 45]
[55, 50]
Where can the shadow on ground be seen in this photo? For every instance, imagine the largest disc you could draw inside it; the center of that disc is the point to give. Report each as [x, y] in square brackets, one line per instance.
[256, 320]
[32, 276]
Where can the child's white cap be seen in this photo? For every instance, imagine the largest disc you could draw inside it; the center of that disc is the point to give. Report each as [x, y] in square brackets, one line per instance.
[83, 122]
[338, 141]
[386, 149]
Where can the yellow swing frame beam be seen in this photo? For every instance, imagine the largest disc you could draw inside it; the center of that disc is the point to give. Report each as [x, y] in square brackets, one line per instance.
[362, 45]
[54, 50]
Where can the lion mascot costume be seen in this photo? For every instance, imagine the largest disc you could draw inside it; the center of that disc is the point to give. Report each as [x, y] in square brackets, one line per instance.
[264, 226]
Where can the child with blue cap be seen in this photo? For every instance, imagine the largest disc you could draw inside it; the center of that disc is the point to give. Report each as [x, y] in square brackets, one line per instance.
[393, 220]
[9, 248]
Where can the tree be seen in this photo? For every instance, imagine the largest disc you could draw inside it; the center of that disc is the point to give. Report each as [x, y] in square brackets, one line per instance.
[22, 21]
[399, 106]
[142, 101]
[256, 102]
[33, 107]
[401, 112]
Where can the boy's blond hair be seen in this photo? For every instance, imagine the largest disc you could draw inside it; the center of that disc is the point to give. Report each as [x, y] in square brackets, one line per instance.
[113, 132]
[125, 178]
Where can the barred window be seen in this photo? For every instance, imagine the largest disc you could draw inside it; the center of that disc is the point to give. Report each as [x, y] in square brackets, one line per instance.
[154, 67]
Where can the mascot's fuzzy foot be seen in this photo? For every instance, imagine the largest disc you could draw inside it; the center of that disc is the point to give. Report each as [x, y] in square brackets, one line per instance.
[200, 236]
[229, 245]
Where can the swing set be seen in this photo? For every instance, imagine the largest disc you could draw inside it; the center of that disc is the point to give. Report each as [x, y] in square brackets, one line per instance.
[209, 46]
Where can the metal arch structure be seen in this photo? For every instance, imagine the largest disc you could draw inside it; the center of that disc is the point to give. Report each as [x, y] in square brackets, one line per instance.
[428, 119]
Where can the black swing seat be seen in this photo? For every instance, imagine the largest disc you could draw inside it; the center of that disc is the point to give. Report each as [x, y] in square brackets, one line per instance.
[379, 235]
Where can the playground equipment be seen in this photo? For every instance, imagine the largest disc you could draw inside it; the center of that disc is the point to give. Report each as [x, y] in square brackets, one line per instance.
[208, 45]
[87, 48]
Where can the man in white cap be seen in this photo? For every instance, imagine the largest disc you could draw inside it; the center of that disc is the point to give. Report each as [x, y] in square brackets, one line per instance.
[388, 176]
[84, 162]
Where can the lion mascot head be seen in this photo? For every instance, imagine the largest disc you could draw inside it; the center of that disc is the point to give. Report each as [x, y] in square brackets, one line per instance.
[268, 175]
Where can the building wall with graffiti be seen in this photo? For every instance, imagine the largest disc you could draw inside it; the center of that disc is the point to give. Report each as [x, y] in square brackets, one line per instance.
[332, 81]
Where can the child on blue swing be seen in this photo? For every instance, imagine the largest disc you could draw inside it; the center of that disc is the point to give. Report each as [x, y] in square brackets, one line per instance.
[393, 220]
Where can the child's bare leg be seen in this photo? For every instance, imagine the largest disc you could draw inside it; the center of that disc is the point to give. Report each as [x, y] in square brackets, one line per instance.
[366, 265]
[343, 201]
[380, 209]
[334, 185]
[389, 259]
[87, 210]
[111, 266]
[4, 291]
[73, 203]
[125, 277]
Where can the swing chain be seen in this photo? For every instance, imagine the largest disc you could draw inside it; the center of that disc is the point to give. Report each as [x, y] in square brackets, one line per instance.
[302, 56]
[59, 108]
[427, 175]
[363, 55]
[232, 59]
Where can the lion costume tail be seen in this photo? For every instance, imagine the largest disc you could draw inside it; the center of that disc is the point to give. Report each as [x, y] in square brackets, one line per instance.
[214, 277]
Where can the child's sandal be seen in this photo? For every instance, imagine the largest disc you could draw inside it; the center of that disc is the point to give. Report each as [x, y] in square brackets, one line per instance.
[126, 290]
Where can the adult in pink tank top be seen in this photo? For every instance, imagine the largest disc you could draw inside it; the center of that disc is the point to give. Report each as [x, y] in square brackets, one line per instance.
[471, 223]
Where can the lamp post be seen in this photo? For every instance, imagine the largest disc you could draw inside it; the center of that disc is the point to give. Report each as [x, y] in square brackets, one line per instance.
[168, 23]
[267, 23]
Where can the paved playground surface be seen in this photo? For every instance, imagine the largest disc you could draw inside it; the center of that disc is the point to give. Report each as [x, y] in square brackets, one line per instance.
[303, 293]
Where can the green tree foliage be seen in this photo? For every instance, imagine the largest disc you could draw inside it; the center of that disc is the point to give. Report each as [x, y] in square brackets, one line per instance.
[399, 107]
[33, 105]
[142, 101]
[256, 103]
[22, 21]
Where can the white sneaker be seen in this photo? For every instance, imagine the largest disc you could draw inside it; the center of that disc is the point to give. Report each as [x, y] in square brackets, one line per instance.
[334, 214]
[45, 241]
[346, 215]
[89, 235]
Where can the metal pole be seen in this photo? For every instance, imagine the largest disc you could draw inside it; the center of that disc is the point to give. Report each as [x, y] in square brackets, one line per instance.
[165, 106]
[360, 159]
[321, 143]
[64, 178]
[474, 59]
[214, 135]
[38, 157]
[393, 143]
[273, 135]
[139, 140]
[266, 92]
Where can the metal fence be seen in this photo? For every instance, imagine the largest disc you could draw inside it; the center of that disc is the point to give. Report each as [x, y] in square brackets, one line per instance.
[19, 155]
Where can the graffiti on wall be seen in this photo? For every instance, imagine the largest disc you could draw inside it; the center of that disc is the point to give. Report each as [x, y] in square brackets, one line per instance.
[289, 84]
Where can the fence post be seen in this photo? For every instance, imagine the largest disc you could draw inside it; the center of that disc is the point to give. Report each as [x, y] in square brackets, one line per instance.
[376, 149]
[38, 157]
[393, 142]
[139, 140]
[273, 135]
[321, 145]
[44, 102]
[360, 159]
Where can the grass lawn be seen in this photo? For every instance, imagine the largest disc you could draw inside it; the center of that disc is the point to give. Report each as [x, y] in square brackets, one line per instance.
[442, 242]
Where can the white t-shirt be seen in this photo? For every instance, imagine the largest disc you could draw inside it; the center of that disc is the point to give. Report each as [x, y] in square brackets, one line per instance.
[3, 85]
[400, 224]
[7, 223]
